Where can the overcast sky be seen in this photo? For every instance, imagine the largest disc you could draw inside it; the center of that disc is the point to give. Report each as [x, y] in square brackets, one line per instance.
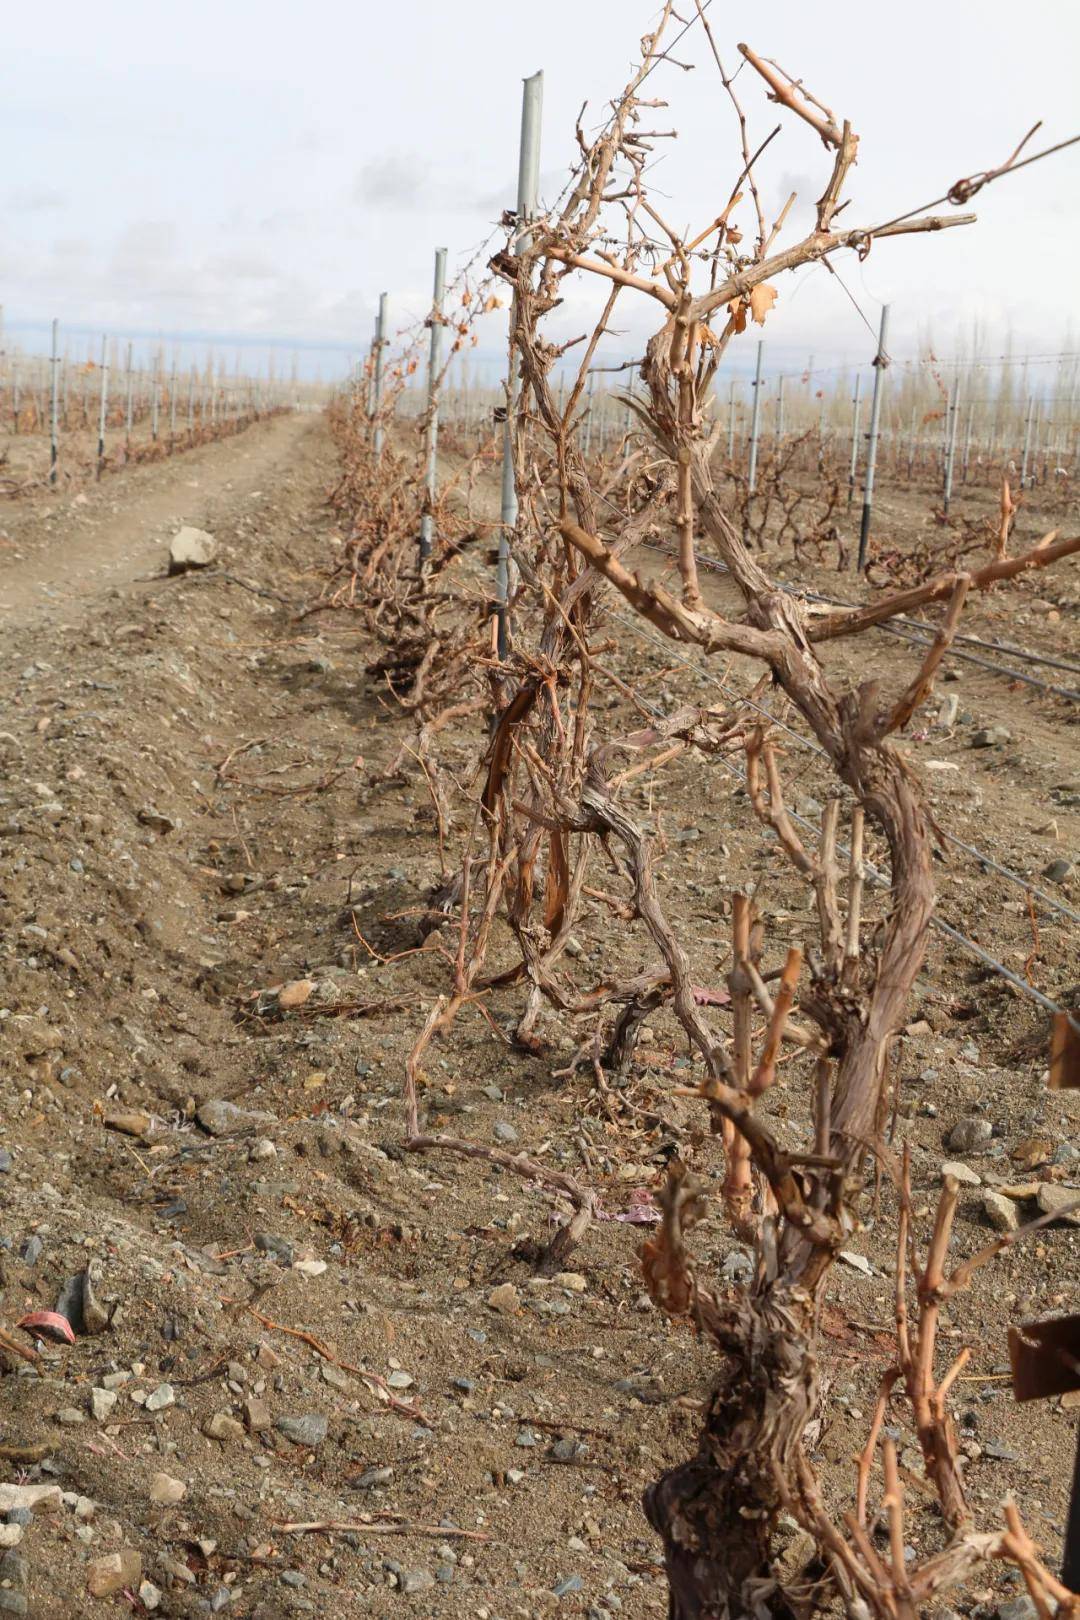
[264, 170]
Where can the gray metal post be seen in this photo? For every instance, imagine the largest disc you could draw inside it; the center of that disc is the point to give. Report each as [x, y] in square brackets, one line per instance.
[377, 383]
[154, 390]
[881, 360]
[950, 446]
[1027, 440]
[191, 403]
[731, 423]
[128, 400]
[54, 414]
[967, 443]
[528, 189]
[172, 407]
[911, 442]
[104, 406]
[780, 413]
[427, 521]
[755, 424]
[856, 408]
[589, 393]
[14, 394]
[1042, 441]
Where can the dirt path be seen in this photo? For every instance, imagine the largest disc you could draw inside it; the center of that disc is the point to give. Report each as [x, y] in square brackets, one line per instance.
[66, 551]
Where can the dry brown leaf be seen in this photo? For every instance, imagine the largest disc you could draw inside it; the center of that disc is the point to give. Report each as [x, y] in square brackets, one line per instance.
[762, 299]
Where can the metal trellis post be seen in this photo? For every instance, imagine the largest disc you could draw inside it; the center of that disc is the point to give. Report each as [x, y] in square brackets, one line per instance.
[856, 407]
[881, 360]
[427, 521]
[377, 380]
[528, 187]
[104, 406]
[950, 446]
[128, 400]
[755, 424]
[1028, 423]
[54, 426]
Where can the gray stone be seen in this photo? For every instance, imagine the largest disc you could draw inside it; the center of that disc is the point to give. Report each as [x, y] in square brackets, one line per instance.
[1017, 1608]
[97, 1313]
[222, 1426]
[113, 1572]
[221, 1118]
[415, 1580]
[102, 1402]
[961, 1172]
[991, 737]
[504, 1132]
[1055, 1200]
[568, 1584]
[948, 710]
[307, 1430]
[258, 1414]
[1000, 1212]
[372, 1477]
[158, 1399]
[281, 1249]
[1057, 871]
[969, 1133]
[191, 548]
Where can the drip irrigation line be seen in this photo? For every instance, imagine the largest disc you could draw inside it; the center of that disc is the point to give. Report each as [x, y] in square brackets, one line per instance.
[921, 633]
[983, 663]
[1004, 646]
[984, 859]
[879, 880]
[980, 856]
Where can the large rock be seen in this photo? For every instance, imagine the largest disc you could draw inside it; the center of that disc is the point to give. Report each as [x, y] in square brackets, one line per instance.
[310, 1429]
[191, 548]
[961, 1172]
[969, 1134]
[1000, 1212]
[219, 1117]
[110, 1574]
[1054, 1200]
[34, 1497]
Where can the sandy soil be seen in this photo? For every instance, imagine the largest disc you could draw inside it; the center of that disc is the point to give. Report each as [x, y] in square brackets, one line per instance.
[194, 810]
